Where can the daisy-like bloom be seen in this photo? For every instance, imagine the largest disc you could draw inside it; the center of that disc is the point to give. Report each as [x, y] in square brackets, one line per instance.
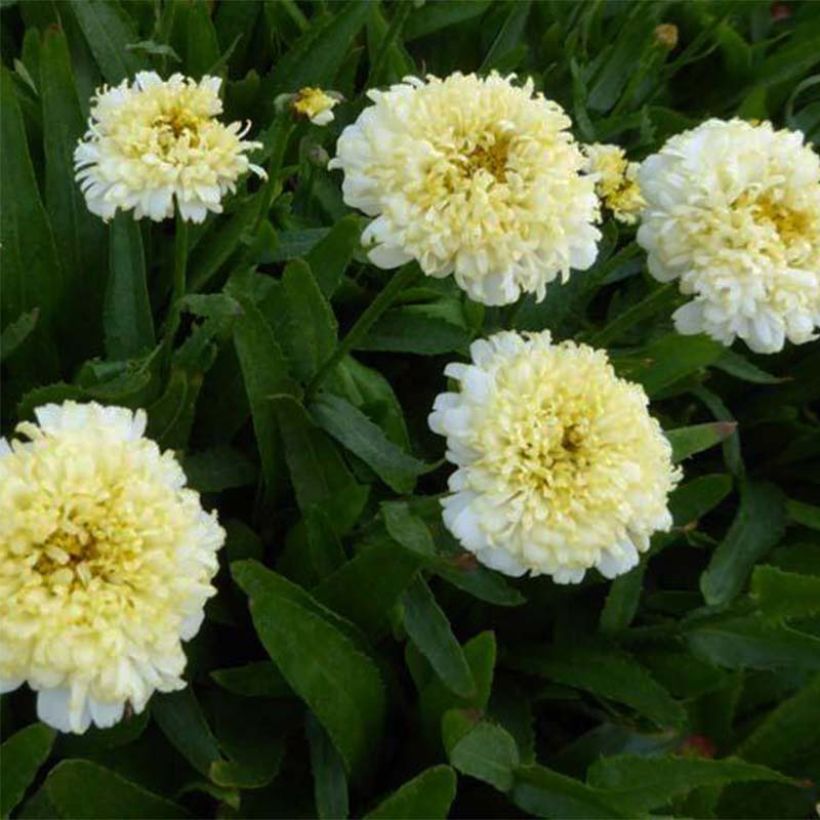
[157, 141]
[106, 561]
[560, 466]
[471, 176]
[733, 213]
[315, 104]
[616, 181]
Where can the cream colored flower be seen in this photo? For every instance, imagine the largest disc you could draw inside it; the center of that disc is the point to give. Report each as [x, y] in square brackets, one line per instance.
[157, 141]
[475, 177]
[733, 213]
[615, 181]
[560, 466]
[315, 104]
[106, 562]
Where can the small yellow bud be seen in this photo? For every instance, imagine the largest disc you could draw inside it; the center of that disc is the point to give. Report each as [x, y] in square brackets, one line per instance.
[666, 35]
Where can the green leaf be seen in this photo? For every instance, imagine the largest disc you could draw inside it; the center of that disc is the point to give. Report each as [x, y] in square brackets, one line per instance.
[659, 300]
[806, 515]
[315, 59]
[358, 434]
[435, 698]
[686, 441]
[171, 416]
[757, 527]
[427, 796]
[509, 36]
[127, 320]
[241, 541]
[407, 529]
[432, 17]
[194, 37]
[330, 256]
[403, 330]
[254, 680]
[384, 570]
[482, 750]
[327, 553]
[788, 732]
[265, 373]
[321, 664]
[180, 717]
[309, 336]
[672, 358]
[368, 390]
[429, 630]
[329, 781]
[318, 473]
[32, 277]
[16, 332]
[605, 674]
[785, 594]
[82, 789]
[79, 235]
[20, 758]
[736, 365]
[622, 600]
[218, 468]
[252, 738]
[545, 793]
[695, 498]
[640, 784]
[468, 575]
[219, 244]
[108, 30]
[753, 643]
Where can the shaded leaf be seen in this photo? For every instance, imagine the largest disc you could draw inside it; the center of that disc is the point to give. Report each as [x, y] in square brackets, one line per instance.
[320, 663]
[127, 319]
[20, 759]
[429, 630]
[427, 796]
[757, 527]
[686, 441]
[482, 750]
[329, 780]
[608, 675]
[643, 783]
[82, 789]
[358, 434]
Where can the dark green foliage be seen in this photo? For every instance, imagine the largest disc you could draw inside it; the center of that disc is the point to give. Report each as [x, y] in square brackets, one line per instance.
[356, 662]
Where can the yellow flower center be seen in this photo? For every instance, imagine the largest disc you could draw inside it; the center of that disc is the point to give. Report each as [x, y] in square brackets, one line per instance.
[790, 224]
[490, 155]
[177, 125]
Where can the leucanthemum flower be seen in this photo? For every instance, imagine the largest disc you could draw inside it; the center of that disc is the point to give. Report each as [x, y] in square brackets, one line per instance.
[560, 466]
[733, 213]
[154, 142]
[106, 561]
[616, 181]
[471, 176]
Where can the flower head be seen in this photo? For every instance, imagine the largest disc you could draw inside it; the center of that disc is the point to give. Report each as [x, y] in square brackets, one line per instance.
[315, 104]
[471, 176]
[560, 466]
[106, 561]
[616, 181]
[156, 141]
[733, 213]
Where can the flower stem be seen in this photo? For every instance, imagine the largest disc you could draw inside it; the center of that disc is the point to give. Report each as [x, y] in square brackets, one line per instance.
[399, 282]
[180, 265]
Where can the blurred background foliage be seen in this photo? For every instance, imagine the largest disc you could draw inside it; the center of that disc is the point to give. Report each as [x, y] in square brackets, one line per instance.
[381, 670]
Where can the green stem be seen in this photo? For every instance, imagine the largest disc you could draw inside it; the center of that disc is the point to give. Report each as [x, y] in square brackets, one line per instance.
[399, 282]
[180, 264]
